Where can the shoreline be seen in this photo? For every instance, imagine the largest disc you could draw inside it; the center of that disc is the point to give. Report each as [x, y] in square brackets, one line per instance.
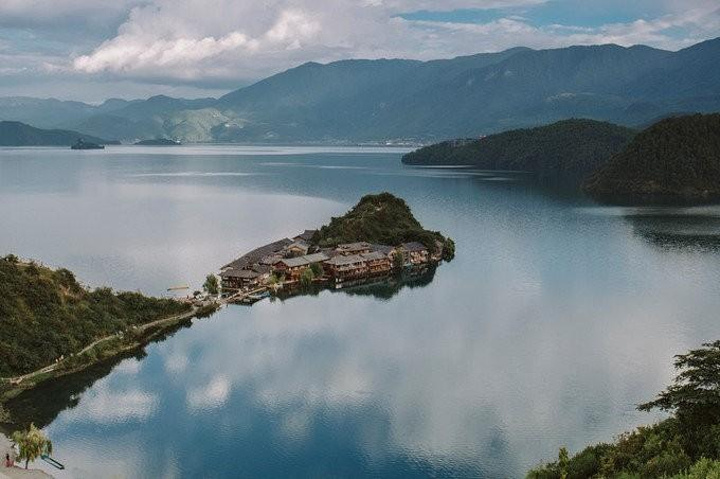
[18, 471]
[101, 349]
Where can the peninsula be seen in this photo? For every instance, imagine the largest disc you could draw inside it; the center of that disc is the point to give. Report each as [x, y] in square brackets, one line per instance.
[675, 160]
[55, 326]
[378, 237]
[568, 151]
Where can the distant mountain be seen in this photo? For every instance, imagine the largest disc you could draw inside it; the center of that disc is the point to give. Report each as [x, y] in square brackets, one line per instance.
[677, 158]
[14, 133]
[376, 100]
[52, 113]
[568, 150]
[470, 96]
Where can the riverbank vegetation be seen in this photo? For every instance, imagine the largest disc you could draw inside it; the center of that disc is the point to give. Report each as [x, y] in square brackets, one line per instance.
[684, 446]
[382, 219]
[676, 157]
[46, 314]
[568, 150]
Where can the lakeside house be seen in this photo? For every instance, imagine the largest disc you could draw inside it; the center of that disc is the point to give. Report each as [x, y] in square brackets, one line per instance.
[289, 258]
[293, 268]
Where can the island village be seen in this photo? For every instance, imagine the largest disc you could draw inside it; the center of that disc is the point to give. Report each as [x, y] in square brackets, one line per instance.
[288, 263]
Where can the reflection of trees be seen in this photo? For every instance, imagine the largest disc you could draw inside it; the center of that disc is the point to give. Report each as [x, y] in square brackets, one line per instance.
[43, 403]
[678, 231]
[383, 287]
[386, 288]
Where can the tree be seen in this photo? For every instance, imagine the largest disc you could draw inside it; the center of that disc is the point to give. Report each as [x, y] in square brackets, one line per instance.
[398, 260]
[448, 252]
[32, 443]
[695, 395]
[563, 461]
[306, 278]
[211, 285]
[317, 270]
[11, 258]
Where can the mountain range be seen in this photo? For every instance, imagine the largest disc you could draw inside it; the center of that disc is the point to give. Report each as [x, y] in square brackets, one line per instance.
[380, 100]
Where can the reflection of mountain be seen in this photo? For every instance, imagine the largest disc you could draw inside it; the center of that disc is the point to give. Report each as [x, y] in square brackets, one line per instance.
[42, 404]
[675, 230]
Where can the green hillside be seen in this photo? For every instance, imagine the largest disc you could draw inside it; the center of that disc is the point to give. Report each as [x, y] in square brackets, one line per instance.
[382, 219]
[13, 133]
[568, 150]
[677, 157]
[46, 313]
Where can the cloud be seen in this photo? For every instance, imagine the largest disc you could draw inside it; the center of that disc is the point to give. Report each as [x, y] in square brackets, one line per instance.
[224, 38]
[211, 44]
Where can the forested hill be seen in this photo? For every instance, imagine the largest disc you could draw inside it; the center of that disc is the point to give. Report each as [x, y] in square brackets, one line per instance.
[675, 158]
[566, 150]
[46, 313]
[14, 133]
[382, 219]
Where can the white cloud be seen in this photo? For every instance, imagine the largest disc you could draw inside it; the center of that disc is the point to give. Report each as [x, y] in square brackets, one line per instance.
[221, 44]
[197, 39]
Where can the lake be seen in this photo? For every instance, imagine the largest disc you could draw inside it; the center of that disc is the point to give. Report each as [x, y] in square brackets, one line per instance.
[555, 319]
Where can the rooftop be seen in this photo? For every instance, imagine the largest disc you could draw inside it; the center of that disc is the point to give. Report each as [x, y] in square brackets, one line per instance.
[414, 246]
[257, 254]
[304, 260]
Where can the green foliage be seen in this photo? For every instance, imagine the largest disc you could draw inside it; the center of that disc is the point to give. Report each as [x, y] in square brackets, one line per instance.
[11, 258]
[563, 461]
[383, 219]
[703, 469]
[32, 444]
[398, 261]
[566, 150]
[317, 270]
[45, 314]
[211, 285]
[306, 278]
[675, 157]
[686, 445]
[14, 133]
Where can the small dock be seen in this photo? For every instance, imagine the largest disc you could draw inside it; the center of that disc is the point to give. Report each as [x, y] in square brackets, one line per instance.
[248, 297]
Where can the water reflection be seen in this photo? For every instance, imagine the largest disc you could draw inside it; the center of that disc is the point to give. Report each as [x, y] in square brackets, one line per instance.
[553, 321]
[679, 230]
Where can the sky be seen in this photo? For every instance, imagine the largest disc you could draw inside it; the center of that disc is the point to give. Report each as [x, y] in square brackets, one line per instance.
[91, 50]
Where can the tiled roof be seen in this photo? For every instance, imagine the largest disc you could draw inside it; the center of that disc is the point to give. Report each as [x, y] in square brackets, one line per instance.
[414, 246]
[343, 260]
[257, 254]
[304, 260]
[239, 273]
[306, 235]
[373, 256]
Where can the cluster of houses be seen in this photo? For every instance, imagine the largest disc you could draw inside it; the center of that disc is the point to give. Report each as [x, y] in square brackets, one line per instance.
[289, 258]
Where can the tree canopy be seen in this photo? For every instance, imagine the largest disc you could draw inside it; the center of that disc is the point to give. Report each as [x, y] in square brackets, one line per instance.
[45, 314]
[382, 219]
[676, 157]
[566, 150]
[684, 446]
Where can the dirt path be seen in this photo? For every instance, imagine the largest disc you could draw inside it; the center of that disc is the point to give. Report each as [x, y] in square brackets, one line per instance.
[140, 328]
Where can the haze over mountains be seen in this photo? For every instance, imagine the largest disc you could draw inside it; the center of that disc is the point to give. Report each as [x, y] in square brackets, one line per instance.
[378, 100]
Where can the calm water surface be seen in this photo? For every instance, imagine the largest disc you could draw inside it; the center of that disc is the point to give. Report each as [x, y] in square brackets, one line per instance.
[554, 320]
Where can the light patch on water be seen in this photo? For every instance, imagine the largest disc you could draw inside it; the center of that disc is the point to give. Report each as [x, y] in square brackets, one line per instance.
[191, 174]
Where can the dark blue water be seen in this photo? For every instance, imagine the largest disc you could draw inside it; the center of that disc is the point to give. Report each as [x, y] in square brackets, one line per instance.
[556, 317]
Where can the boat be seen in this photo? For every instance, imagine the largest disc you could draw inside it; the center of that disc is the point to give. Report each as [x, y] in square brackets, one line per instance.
[52, 462]
[81, 144]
